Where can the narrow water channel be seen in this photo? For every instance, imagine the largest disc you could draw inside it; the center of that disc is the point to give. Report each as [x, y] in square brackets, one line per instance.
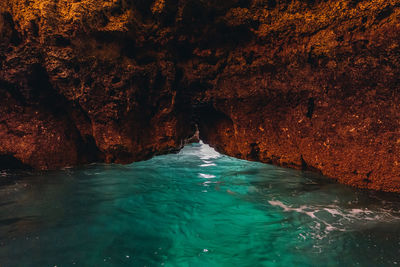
[194, 208]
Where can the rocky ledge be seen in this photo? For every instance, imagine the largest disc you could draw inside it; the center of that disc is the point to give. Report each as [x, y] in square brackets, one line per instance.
[310, 84]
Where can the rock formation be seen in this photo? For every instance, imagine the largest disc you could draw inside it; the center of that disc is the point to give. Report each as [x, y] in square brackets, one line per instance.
[308, 84]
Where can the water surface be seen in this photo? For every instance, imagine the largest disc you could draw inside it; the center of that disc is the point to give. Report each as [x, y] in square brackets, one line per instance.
[194, 208]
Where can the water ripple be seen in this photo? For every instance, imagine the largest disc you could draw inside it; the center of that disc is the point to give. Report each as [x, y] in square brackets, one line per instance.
[194, 208]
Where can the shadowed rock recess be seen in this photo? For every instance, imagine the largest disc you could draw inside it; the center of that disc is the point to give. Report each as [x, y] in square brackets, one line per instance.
[305, 84]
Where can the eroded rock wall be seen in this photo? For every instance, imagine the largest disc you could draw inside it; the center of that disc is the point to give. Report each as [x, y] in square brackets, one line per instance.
[82, 82]
[303, 84]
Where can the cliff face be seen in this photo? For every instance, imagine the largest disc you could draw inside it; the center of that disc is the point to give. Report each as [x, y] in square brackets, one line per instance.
[304, 84]
[85, 81]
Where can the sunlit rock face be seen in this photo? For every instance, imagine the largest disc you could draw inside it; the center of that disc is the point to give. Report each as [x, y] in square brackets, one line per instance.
[303, 84]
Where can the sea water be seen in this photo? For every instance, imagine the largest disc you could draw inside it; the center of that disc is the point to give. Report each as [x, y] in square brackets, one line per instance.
[194, 208]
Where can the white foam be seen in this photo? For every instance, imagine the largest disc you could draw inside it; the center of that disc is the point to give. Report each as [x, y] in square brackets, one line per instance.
[342, 219]
[302, 209]
[208, 165]
[206, 152]
[279, 204]
[208, 182]
[207, 176]
[333, 212]
[359, 211]
[302, 236]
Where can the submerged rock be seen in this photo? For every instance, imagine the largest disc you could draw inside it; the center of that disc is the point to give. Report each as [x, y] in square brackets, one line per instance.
[302, 84]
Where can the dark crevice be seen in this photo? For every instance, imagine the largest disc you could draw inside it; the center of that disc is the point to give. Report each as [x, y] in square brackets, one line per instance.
[271, 3]
[10, 31]
[212, 122]
[304, 165]
[254, 152]
[13, 90]
[367, 179]
[61, 41]
[9, 162]
[310, 107]
[307, 167]
[34, 28]
[386, 12]
[89, 150]
[42, 93]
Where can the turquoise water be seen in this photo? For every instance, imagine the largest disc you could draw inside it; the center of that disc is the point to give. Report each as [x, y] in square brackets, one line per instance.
[195, 208]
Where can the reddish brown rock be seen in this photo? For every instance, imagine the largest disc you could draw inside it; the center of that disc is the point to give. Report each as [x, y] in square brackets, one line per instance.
[303, 84]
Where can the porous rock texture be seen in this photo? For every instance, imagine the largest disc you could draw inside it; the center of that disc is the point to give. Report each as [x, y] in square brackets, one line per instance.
[312, 85]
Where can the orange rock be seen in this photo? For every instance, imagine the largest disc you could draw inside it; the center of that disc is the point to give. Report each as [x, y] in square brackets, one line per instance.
[120, 81]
